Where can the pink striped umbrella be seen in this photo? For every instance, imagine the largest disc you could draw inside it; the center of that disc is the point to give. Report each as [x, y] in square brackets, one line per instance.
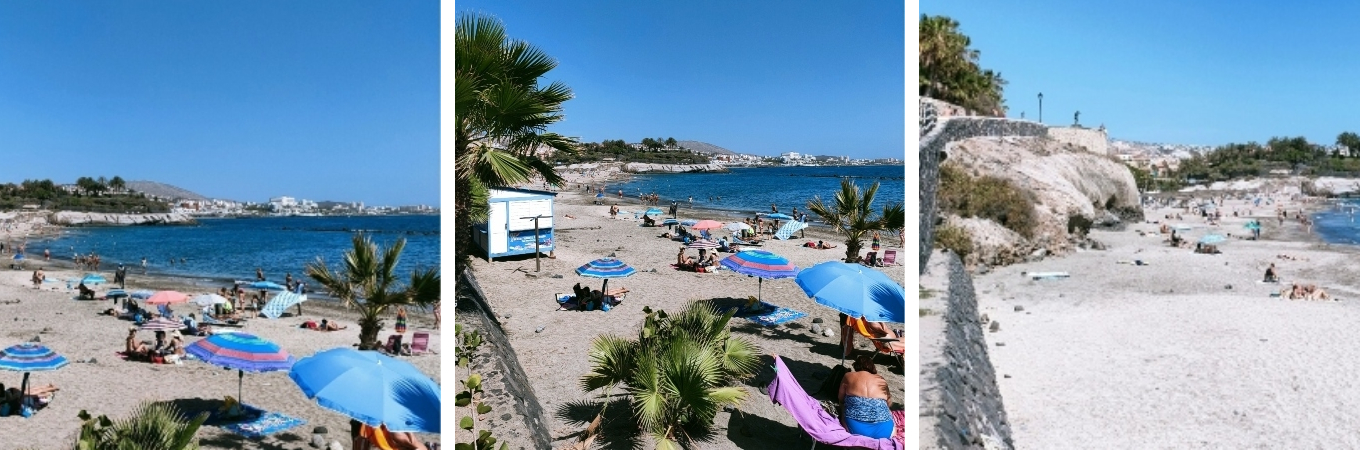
[167, 298]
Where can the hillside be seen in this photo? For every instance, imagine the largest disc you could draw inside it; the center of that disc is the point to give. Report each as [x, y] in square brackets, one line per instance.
[163, 190]
[705, 148]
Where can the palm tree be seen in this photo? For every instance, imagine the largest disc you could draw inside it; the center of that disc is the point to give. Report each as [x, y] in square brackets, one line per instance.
[950, 69]
[854, 218]
[679, 373]
[369, 283]
[152, 426]
[502, 116]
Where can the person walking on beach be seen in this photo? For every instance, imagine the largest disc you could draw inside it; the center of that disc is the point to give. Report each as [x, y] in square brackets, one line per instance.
[259, 274]
[47, 254]
[143, 265]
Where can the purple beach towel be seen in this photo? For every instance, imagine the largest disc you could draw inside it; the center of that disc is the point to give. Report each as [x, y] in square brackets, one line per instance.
[814, 420]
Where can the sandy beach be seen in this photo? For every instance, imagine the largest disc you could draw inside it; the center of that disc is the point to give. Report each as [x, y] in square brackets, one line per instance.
[552, 344]
[114, 387]
[1187, 351]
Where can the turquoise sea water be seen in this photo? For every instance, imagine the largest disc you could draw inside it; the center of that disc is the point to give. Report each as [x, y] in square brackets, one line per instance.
[233, 248]
[1338, 224]
[748, 190]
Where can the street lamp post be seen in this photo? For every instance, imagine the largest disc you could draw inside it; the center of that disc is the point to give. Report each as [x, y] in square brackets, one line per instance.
[537, 264]
[1041, 107]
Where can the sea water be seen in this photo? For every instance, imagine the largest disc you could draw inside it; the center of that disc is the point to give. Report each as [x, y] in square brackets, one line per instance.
[1336, 224]
[749, 190]
[233, 248]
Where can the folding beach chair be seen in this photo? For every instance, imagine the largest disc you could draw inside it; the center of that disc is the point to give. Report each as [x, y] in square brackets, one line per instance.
[393, 346]
[165, 311]
[889, 258]
[420, 343]
[871, 259]
[881, 345]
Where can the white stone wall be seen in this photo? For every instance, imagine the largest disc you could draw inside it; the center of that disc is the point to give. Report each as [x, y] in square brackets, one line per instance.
[1093, 140]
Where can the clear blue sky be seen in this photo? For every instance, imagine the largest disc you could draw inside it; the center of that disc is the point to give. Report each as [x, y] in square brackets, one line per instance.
[753, 77]
[325, 100]
[1204, 72]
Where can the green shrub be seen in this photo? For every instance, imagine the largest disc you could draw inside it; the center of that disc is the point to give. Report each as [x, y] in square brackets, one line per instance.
[1078, 224]
[986, 197]
[954, 239]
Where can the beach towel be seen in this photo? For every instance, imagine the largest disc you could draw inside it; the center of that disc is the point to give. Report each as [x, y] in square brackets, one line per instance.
[807, 411]
[569, 303]
[769, 315]
[1048, 275]
[281, 303]
[255, 423]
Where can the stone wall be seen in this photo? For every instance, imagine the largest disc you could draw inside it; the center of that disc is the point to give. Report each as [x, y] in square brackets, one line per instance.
[1093, 140]
[936, 133]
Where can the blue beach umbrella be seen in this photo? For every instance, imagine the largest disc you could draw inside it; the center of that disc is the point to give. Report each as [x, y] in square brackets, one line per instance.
[372, 388]
[18, 256]
[116, 293]
[689, 222]
[243, 352]
[786, 231]
[142, 294]
[93, 278]
[855, 290]
[30, 357]
[266, 285]
[670, 222]
[605, 268]
[780, 216]
[653, 212]
[1211, 239]
[760, 264]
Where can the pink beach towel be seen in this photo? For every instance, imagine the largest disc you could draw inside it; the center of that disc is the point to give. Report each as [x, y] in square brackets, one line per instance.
[814, 420]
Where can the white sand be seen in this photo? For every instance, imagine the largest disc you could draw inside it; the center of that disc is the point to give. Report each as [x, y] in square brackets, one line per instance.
[114, 387]
[555, 359]
[1165, 356]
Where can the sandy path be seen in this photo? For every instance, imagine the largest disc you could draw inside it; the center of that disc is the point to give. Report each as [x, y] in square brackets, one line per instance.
[1167, 356]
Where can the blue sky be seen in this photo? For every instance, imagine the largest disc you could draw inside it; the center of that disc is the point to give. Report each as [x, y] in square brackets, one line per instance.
[1206, 72]
[758, 77]
[325, 100]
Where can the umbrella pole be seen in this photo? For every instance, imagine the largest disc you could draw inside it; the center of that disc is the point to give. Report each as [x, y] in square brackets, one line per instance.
[23, 386]
[760, 283]
[240, 378]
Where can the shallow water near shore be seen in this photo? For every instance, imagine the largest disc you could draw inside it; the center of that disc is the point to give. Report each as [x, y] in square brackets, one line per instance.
[230, 249]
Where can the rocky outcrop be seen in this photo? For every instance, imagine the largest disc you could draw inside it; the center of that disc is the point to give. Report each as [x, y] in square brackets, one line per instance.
[72, 218]
[672, 168]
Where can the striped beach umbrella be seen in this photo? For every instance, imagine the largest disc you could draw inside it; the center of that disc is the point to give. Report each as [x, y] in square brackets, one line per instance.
[243, 352]
[280, 303]
[161, 324]
[116, 293]
[704, 244]
[706, 225]
[605, 268]
[167, 298]
[760, 264]
[786, 231]
[30, 357]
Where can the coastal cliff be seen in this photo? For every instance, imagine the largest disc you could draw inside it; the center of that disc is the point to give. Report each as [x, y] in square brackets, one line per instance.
[72, 218]
[672, 168]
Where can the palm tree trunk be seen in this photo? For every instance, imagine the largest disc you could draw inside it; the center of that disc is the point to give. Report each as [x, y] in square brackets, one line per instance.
[462, 226]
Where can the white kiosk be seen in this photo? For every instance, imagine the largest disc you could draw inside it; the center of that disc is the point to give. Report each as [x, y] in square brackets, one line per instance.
[509, 229]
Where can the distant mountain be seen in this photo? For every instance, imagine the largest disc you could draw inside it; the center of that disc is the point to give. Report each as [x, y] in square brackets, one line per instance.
[163, 190]
[705, 148]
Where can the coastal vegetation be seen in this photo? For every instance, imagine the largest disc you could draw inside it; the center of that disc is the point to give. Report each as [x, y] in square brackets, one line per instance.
[985, 197]
[950, 70]
[679, 373]
[852, 216]
[152, 426]
[502, 114]
[89, 195]
[653, 151]
[368, 282]
[1279, 155]
[472, 394]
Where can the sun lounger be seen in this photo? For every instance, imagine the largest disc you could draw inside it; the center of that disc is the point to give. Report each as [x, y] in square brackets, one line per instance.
[208, 319]
[393, 346]
[889, 258]
[881, 345]
[420, 343]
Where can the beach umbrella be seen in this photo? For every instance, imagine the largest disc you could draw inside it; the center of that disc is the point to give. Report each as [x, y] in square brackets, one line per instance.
[93, 278]
[372, 388]
[671, 221]
[167, 298]
[162, 324]
[208, 300]
[689, 222]
[736, 226]
[706, 225]
[280, 303]
[1253, 225]
[1211, 239]
[18, 256]
[240, 351]
[30, 357]
[116, 293]
[780, 216]
[653, 212]
[605, 268]
[266, 285]
[786, 231]
[760, 264]
[705, 244]
[855, 290]
[142, 294]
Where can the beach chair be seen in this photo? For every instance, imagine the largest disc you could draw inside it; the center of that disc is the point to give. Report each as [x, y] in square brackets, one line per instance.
[420, 343]
[164, 311]
[871, 259]
[881, 345]
[393, 346]
[705, 234]
[889, 258]
[738, 241]
[208, 319]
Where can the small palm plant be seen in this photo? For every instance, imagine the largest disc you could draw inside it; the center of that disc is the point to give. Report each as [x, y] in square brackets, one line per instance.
[853, 217]
[368, 282]
[152, 426]
[679, 373]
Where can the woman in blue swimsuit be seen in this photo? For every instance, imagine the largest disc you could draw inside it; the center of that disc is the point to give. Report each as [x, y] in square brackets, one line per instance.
[864, 401]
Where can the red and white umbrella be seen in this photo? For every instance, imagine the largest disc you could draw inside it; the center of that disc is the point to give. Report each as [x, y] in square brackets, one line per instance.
[161, 324]
[167, 298]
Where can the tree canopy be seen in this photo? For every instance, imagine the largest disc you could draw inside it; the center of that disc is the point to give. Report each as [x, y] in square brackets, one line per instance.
[950, 70]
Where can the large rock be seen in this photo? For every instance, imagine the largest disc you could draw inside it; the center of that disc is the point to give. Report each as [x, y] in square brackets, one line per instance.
[72, 218]
[672, 168]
